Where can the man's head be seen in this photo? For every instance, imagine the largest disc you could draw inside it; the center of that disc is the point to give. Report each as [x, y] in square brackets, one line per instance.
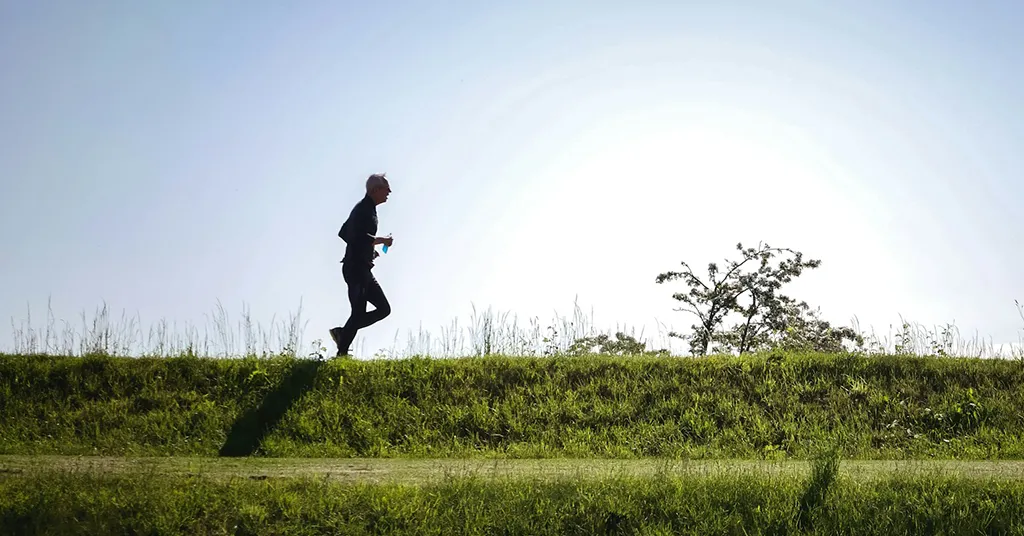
[377, 188]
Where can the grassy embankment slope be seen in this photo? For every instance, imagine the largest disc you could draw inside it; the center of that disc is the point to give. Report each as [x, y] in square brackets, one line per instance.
[720, 407]
[786, 406]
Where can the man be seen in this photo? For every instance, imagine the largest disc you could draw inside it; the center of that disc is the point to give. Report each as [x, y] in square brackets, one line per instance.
[359, 233]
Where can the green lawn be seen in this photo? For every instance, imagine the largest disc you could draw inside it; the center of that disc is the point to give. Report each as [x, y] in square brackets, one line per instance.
[92, 495]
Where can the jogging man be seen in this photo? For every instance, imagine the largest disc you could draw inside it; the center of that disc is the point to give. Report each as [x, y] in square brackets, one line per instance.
[359, 233]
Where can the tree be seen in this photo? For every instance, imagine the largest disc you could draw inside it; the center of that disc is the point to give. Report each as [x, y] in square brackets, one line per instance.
[803, 330]
[766, 312]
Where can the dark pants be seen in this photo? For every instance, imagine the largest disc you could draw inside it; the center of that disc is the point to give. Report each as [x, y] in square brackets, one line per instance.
[362, 288]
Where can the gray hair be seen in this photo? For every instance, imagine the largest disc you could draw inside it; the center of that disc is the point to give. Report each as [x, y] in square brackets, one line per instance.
[376, 180]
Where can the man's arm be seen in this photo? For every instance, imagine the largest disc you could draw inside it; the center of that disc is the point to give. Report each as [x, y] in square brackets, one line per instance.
[380, 239]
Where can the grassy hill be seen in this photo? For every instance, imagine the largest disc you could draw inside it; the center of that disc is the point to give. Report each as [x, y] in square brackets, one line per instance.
[765, 406]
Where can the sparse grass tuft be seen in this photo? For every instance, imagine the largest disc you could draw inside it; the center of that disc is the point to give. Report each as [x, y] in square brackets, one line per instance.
[124, 336]
[488, 333]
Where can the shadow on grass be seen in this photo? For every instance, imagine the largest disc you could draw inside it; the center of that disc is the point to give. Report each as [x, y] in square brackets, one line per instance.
[824, 471]
[247, 433]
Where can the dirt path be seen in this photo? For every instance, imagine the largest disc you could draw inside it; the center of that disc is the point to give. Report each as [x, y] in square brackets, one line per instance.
[424, 470]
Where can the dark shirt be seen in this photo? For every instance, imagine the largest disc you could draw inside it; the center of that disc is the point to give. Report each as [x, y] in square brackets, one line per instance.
[361, 224]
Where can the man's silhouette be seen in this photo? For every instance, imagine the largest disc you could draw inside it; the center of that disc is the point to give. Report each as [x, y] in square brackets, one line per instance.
[360, 235]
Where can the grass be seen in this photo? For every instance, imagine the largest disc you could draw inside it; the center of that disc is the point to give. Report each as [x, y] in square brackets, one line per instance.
[757, 406]
[821, 500]
[279, 441]
[487, 333]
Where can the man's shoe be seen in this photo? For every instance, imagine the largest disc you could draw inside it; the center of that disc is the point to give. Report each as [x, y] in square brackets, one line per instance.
[336, 335]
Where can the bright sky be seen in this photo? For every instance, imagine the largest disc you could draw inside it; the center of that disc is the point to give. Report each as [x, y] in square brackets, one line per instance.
[161, 156]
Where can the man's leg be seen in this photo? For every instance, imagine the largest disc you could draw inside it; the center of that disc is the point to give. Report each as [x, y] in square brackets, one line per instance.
[368, 291]
[375, 295]
[357, 300]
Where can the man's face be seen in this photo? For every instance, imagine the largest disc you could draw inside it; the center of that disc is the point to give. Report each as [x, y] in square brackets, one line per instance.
[380, 193]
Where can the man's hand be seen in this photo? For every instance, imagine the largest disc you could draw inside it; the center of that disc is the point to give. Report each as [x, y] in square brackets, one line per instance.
[386, 240]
